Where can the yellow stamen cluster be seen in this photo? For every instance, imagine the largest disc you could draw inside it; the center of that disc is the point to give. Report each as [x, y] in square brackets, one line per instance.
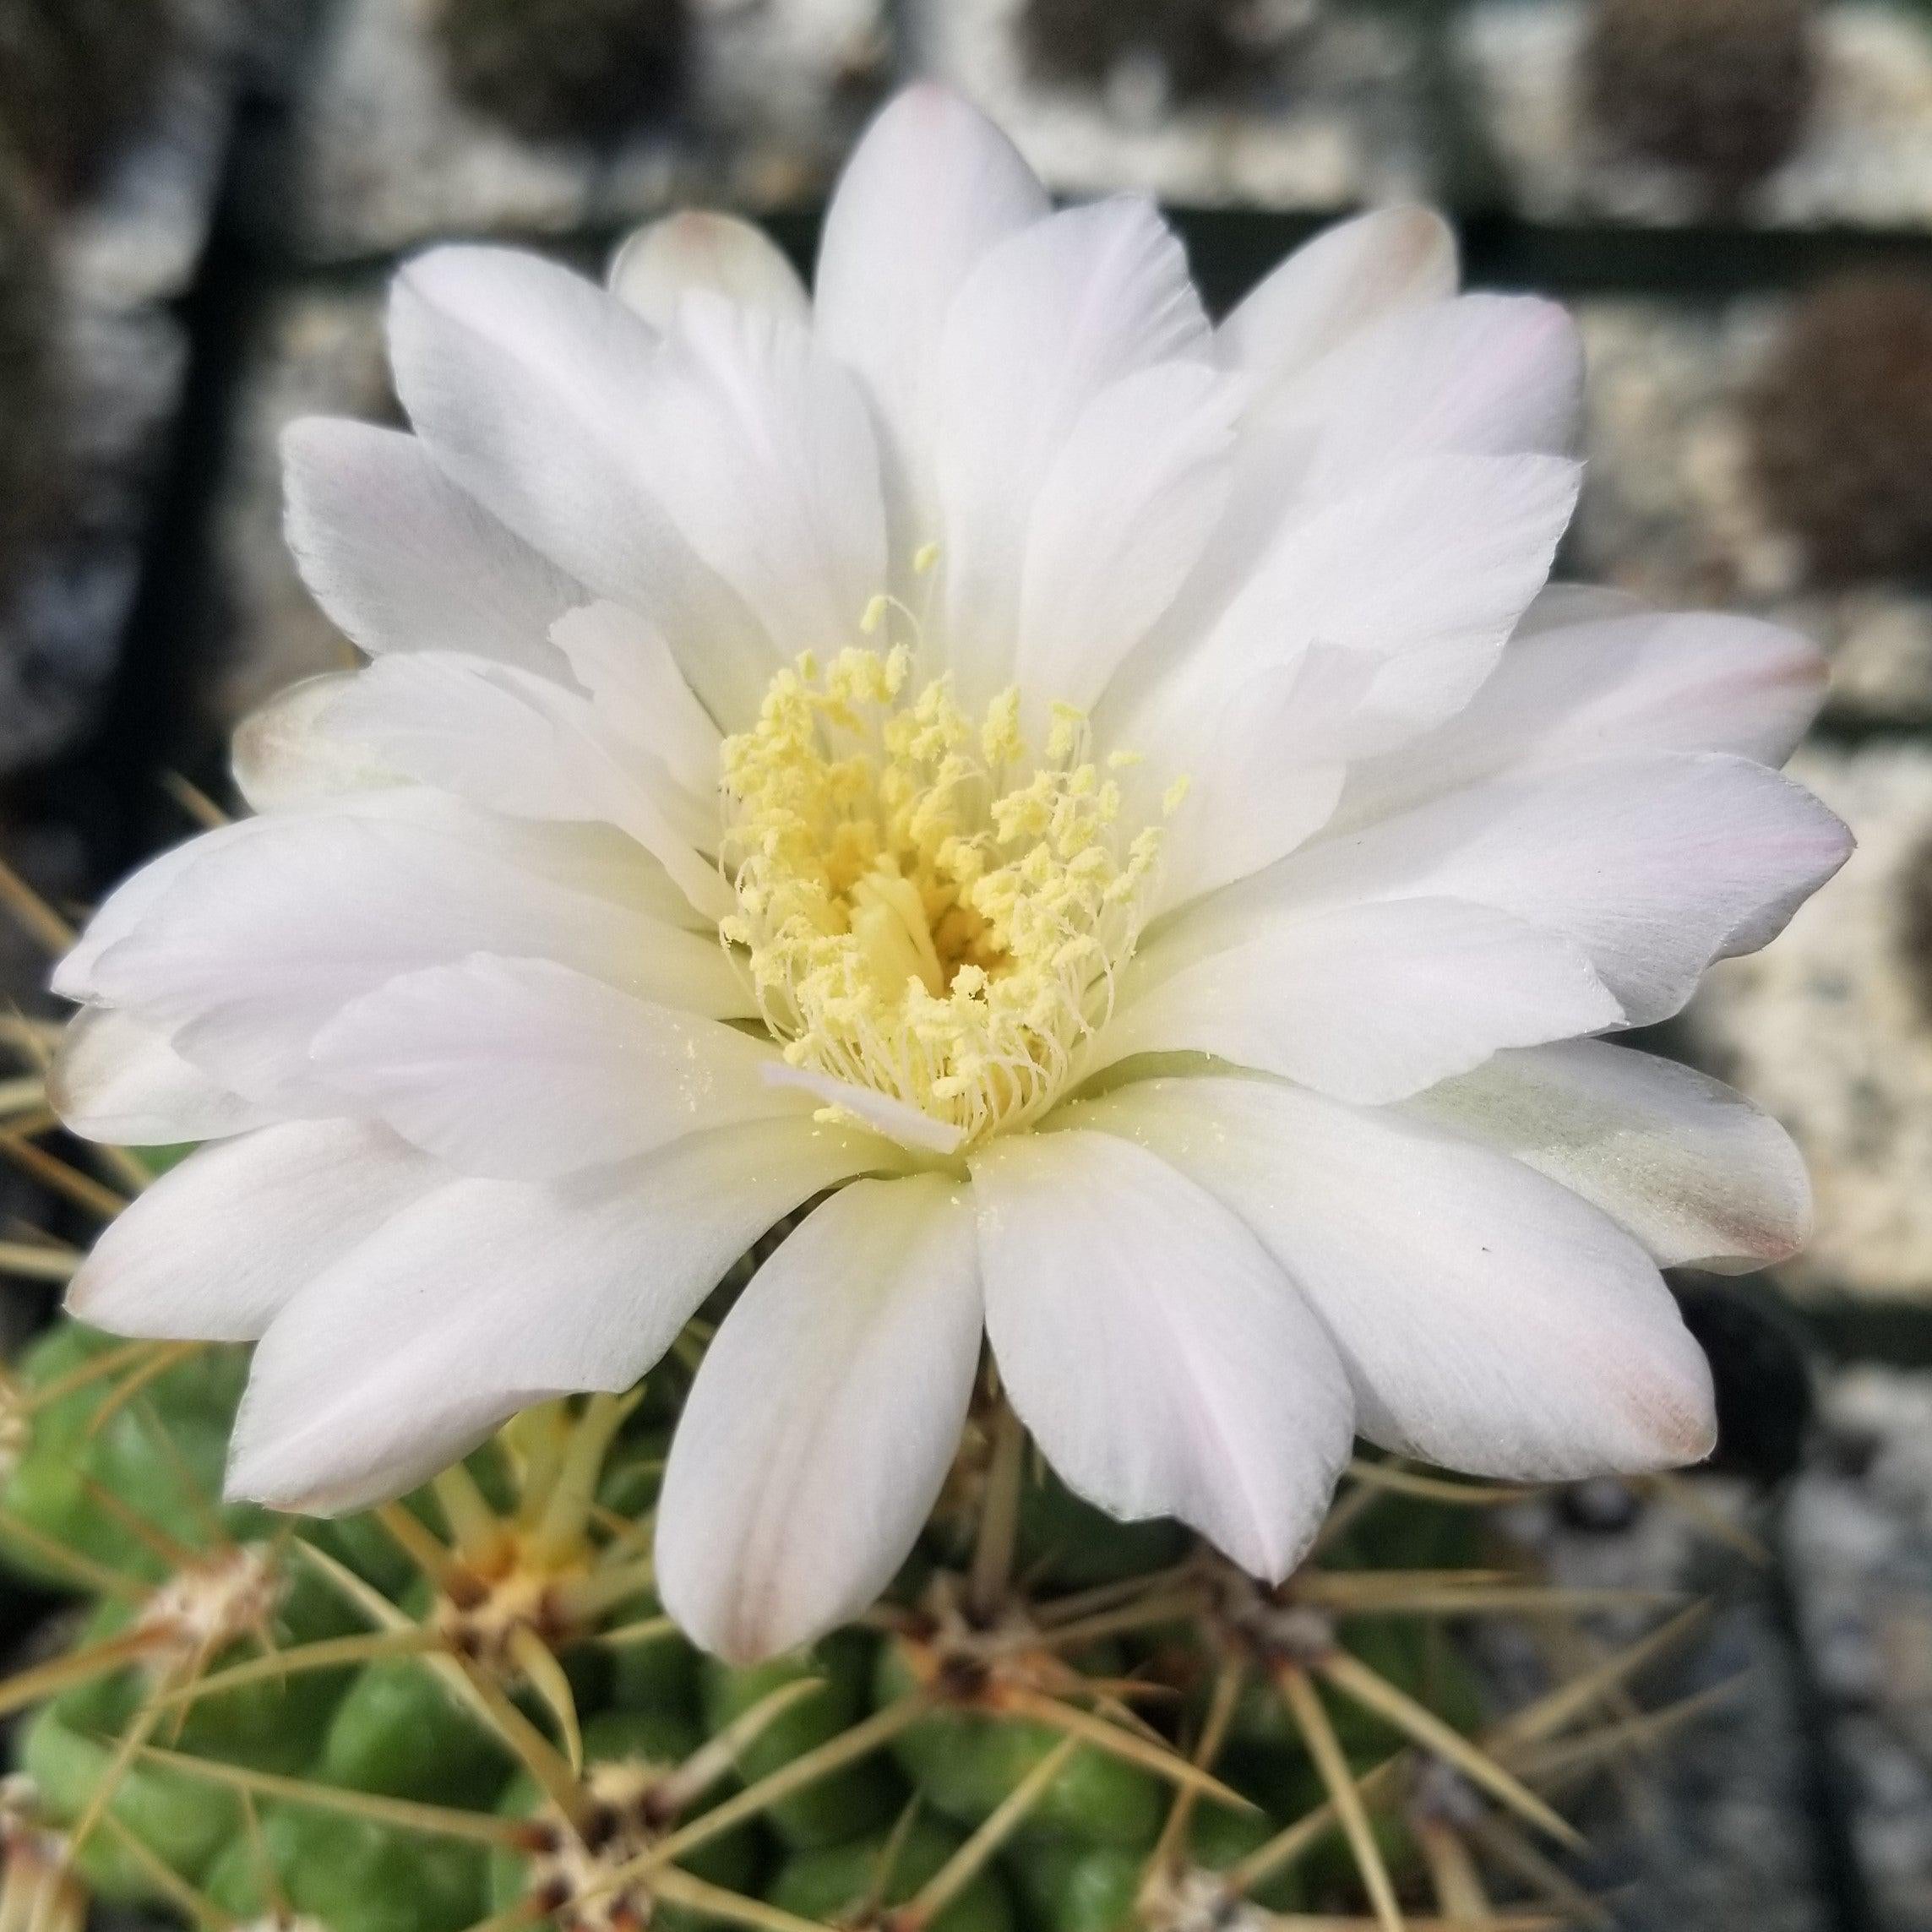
[929, 909]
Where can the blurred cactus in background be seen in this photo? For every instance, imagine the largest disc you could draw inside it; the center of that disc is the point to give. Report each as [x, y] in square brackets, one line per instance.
[564, 70]
[466, 1708]
[1841, 421]
[1720, 88]
[76, 76]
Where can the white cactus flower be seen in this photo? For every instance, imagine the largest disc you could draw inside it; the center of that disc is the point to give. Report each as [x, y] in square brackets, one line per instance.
[1103, 804]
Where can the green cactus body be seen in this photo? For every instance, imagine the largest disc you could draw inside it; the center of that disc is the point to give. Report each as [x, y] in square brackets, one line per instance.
[349, 1874]
[836, 1809]
[963, 1763]
[833, 1883]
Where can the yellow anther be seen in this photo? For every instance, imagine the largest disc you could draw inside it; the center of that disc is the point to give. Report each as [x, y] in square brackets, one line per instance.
[907, 924]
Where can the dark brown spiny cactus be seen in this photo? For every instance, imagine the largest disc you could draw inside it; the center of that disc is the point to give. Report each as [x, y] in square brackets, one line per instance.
[1841, 419]
[1200, 46]
[1719, 88]
[585, 70]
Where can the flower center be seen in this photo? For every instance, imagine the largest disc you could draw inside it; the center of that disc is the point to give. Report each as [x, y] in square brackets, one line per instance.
[928, 909]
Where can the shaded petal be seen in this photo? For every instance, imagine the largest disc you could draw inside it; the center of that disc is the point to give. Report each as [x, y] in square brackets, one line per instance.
[254, 945]
[283, 759]
[625, 664]
[1348, 276]
[1637, 681]
[762, 452]
[1490, 1321]
[533, 388]
[932, 187]
[524, 1070]
[217, 1247]
[519, 744]
[1161, 1359]
[1698, 1175]
[1122, 517]
[1050, 318]
[1655, 865]
[489, 1295]
[1480, 375]
[697, 251]
[402, 558]
[116, 1080]
[1368, 1003]
[1426, 570]
[823, 1421]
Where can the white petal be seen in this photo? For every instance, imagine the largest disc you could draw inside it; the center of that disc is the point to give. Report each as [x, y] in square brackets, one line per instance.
[1490, 1320]
[283, 759]
[1655, 865]
[526, 1070]
[1369, 1002]
[533, 389]
[932, 187]
[1427, 569]
[218, 1246]
[1122, 517]
[116, 1080]
[1634, 681]
[1691, 1168]
[1049, 319]
[762, 452]
[489, 1295]
[623, 660]
[698, 250]
[896, 1120]
[1348, 276]
[402, 559]
[823, 1420]
[1161, 1359]
[1480, 375]
[252, 947]
[512, 742]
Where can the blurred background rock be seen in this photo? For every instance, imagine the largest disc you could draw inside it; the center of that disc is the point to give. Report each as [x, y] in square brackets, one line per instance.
[200, 201]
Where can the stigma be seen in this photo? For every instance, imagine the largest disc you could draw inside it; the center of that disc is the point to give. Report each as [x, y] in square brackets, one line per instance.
[926, 905]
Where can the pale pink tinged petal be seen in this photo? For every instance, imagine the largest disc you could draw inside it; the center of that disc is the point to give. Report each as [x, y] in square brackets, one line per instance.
[217, 1247]
[1655, 865]
[823, 1420]
[258, 944]
[623, 662]
[1634, 681]
[283, 759]
[533, 388]
[1049, 319]
[1692, 1169]
[115, 1080]
[1489, 1319]
[1348, 276]
[522, 1070]
[519, 744]
[403, 560]
[1123, 516]
[1163, 1361]
[1368, 1003]
[896, 1120]
[763, 454]
[1421, 576]
[1482, 375]
[697, 251]
[932, 187]
[490, 1295]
